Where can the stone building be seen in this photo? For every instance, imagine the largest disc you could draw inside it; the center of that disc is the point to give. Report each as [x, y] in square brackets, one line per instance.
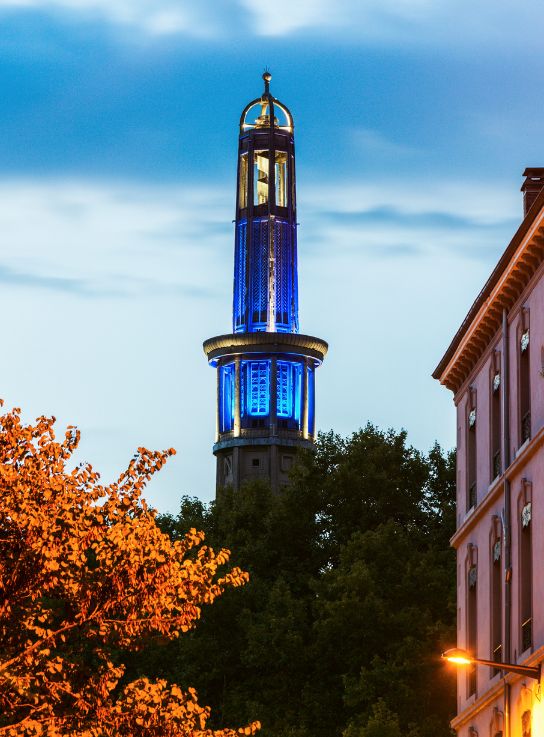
[265, 367]
[495, 369]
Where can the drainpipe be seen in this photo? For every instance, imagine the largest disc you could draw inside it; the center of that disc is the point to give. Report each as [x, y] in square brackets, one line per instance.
[505, 395]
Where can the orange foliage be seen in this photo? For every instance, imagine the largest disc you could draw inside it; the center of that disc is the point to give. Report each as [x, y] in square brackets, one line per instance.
[85, 571]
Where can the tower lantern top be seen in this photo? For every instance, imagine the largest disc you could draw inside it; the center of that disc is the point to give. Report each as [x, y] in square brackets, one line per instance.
[268, 105]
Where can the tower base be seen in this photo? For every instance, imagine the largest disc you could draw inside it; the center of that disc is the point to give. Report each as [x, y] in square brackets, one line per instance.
[267, 459]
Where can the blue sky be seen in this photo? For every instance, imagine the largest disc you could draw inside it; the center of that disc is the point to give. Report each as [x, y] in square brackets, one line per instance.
[118, 133]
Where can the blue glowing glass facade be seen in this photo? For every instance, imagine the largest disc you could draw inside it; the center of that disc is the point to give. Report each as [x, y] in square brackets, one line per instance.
[289, 390]
[252, 286]
[311, 400]
[255, 386]
[226, 397]
[265, 255]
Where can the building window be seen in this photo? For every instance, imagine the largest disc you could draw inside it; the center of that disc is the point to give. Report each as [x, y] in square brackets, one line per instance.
[495, 423]
[471, 452]
[286, 463]
[496, 598]
[526, 578]
[256, 462]
[472, 627]
[524, 379]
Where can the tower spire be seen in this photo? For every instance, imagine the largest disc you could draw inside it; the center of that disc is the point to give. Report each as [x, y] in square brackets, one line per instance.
[267, 79]
[266, 369]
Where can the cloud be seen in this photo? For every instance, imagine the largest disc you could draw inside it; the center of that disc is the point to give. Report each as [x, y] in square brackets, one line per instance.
[108, 239]
[160, 18]
[116, 239]
[10, 277]
[373, 143]
[428, 23]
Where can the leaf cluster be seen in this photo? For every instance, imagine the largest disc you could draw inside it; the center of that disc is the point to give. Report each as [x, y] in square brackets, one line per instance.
[85, 575]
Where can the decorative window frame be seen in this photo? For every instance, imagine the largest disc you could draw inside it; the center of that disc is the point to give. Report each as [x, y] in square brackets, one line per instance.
[523, 342]
[496, 371]
[471, 565]
[525, 501]
[524, 329]
[495, 538]
[496, 726]
[494, 396]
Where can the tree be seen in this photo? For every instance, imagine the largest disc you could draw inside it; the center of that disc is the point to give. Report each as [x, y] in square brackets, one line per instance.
[351, 595]
[85, 576]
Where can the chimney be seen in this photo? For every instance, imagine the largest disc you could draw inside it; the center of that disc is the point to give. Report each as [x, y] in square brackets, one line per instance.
[534, 181]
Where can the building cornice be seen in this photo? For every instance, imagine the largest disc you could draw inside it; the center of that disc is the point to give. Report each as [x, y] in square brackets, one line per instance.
[524, 454]
[515, 268]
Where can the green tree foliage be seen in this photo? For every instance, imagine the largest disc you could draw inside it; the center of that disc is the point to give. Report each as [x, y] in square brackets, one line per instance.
[351, 596]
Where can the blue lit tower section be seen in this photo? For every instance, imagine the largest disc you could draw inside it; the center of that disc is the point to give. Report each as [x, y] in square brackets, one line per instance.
[265, 367]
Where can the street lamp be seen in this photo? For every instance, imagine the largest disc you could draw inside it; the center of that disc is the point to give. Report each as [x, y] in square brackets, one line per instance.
[462, 657]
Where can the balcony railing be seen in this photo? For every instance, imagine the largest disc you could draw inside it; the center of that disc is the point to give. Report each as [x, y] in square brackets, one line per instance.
[526, 634]
[525, 427]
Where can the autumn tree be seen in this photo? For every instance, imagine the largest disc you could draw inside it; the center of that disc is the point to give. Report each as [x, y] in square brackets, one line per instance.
[85, 576]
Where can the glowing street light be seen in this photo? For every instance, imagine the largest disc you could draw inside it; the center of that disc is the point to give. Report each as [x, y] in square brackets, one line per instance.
[462, 657]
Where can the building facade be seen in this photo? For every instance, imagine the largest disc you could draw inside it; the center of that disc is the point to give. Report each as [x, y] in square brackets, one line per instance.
[495, 369]
[265, 367]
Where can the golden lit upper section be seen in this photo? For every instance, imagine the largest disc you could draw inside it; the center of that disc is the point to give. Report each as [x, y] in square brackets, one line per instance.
[266, 106]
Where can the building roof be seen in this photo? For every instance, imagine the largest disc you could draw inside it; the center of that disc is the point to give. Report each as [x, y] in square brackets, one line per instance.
[518, 263]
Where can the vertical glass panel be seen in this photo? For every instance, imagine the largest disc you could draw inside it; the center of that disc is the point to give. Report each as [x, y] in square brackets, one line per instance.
[289, 390]
[298, 394]
[242, 194]
[260, 177]
[311, 401]
[284, 389]
[281, 178]
[259, 276]
[226, 397]
[257, 387]
[240, 289]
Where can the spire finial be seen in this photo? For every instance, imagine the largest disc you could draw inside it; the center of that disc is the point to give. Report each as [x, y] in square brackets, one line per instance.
[267, 77]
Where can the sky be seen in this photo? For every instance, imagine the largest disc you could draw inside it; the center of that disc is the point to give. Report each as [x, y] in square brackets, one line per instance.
[414, 120]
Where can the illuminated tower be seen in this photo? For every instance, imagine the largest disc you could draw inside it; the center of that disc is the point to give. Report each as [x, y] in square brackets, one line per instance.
[265, 367]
